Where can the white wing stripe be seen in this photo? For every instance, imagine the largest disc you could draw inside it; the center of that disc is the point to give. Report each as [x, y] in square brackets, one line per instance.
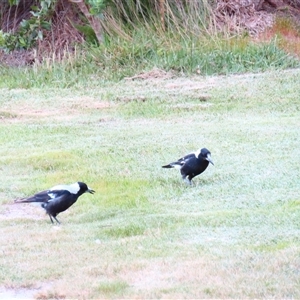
[51, 195]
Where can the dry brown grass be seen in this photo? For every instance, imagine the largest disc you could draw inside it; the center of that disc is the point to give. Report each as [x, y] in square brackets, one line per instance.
[237, 17]
[66, 108]
[288, 33]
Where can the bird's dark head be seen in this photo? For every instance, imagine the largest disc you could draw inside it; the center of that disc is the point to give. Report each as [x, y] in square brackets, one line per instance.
[83, 188]
[205, 154]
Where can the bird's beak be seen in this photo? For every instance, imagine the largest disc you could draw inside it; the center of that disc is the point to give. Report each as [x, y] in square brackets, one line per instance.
[90, 191]
[208, 158]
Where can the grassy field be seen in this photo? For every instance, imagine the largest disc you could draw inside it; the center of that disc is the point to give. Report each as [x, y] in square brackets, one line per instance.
[145, 234]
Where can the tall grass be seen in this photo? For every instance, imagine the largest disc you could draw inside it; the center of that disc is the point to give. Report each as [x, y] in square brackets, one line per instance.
[118, 58]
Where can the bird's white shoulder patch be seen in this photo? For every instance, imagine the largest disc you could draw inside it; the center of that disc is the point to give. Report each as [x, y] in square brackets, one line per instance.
[51, 195]
[72, 188]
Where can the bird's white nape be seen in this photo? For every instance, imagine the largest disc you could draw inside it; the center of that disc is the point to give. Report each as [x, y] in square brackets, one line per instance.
[197, 153]
[72, 188]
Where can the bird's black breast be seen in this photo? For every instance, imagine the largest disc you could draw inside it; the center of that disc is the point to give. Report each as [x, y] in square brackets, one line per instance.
[60, 203]
[194, 167]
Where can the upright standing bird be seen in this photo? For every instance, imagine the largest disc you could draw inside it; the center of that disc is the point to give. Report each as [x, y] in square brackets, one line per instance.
[192, 164]
[59, 198]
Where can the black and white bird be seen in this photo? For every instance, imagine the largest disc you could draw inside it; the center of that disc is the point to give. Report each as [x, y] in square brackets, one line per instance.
[59, 198]
[192, 164]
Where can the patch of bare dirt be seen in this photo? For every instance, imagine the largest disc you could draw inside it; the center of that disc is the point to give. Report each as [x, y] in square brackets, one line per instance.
[17, 293]
[27, 293]
[69, 109]
[154, 73]
[17, 115]
[191, 84]
[21, 211]
[164, 274]
[87, 103]
[35, 113]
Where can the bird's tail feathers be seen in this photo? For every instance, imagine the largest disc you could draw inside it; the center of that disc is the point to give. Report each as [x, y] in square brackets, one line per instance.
[28, 200]
[168, 166]
[176, 165]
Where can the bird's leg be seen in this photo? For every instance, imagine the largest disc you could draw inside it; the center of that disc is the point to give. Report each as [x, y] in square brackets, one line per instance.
[56, 220]
[51, 219]
[186, 180]
[189, 182]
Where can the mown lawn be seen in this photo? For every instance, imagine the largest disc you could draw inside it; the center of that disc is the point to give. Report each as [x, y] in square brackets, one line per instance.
[145, 234]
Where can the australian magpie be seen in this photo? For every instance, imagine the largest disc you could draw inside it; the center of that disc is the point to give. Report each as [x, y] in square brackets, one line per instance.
[192, 164]
[59, 198]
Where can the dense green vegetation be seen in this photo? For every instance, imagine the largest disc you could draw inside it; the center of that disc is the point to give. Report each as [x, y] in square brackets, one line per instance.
[137, 36]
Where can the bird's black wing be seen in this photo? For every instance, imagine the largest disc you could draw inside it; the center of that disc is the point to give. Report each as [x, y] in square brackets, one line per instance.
[43, 196]
[181, 161]
[187, 157]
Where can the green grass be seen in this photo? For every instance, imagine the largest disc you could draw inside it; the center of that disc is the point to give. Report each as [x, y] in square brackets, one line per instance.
[145, 234]
[112, 288]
